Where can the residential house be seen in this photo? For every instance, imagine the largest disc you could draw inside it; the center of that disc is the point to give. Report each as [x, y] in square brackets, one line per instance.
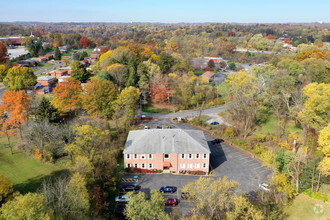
[46, 80]
[62, 78]
[208, 76]
[59, 73]
[167, 149]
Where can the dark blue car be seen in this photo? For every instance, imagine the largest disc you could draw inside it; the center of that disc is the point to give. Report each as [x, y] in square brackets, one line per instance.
[168, 189]
[214, 123]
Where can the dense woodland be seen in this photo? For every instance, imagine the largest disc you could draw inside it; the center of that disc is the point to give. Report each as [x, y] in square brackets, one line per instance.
[150, 64]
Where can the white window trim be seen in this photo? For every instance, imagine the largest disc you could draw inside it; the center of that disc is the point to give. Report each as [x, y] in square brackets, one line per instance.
[197, 157]
[191, 156]
[128, 165]
[205, 156]
[143, 156]
[168, 156]
[197, 165]
[204, 165]
[183, 156]
[152, 166]
[143, 166]
[190, 166]
[183, 166]
[137, 165]
[137, 156]
[128, 156]
[150, 155]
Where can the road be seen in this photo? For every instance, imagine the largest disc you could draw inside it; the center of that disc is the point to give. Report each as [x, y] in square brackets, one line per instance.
[185, 114]
[41, 70]
[255, 51]
[2, 91]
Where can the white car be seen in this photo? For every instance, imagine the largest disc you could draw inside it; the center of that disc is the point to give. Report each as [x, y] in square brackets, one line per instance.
[264, 186]
[122, 198]
[146, 127]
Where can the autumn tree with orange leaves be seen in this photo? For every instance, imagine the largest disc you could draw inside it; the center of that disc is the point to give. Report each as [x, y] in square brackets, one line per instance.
[13, 112]
[85, 42]
[160, 89]
[99, 96]
[67, 95]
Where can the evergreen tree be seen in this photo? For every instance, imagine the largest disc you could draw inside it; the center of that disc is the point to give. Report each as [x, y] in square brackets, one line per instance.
[79, 72]
[58, 54]
[46, 111]
[132, 79]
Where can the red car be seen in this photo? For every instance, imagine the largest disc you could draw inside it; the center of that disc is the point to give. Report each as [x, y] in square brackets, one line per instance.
[171, 201]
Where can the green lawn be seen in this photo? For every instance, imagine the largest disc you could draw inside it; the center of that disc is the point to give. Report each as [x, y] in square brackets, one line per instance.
[26, 172]
[270, 126]
[45, 64]
[151, 109]
[303, 208]
[89, 51]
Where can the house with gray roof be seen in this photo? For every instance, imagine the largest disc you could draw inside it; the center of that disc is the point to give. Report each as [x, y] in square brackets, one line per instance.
[167, 150]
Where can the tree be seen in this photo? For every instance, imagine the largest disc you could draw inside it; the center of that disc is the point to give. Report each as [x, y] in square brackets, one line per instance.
[118, 73]
[79, 72]
[67, 95]
[14, 107]
[243, 99]
[99, 97]
[83, 55]
[141, 208]
[160, 88]
[58, 54]
[85, 42]
[78, 194]
[82, 165]
[210, 64]
[3, 53]
[89, 142]
[65, 61]
[317, 105]
[20, 78]
[3, 72]
[28, 206]
[125, 106]
[46, 111]
[324, 142]
[214, 198]
[165, 62]
[6, 187]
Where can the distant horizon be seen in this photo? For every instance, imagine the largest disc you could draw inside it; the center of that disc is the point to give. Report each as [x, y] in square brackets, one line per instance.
[169, 12]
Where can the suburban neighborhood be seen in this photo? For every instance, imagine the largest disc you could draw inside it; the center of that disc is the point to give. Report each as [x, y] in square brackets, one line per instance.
[163, 111]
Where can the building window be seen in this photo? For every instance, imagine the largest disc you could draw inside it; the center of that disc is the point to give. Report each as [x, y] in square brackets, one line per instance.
[197, 156]
[204, 165]
[150, 166]
[128, 165]
[190, 156]
[190, 165]
[143, 156]
[166, 156]
[135, 156]
[197, 165]
[182, 156]
[182, 165]
[205, 156]
[142, 166]
[135, 165]
[127, 156]
[150, 156]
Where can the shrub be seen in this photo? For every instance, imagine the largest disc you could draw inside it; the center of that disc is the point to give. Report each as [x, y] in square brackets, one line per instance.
[261, 138]
[197, 172]
[317, 195]
[230, 132]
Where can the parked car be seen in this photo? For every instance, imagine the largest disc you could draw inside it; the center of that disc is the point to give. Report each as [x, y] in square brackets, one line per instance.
[264, 186]
[171, 201]
[131, 187]
[159, 127]
[166, 189]
[122, 199]
[214, 123]
[146, 127]
[119, 211]
[217, 141]
[184, 195]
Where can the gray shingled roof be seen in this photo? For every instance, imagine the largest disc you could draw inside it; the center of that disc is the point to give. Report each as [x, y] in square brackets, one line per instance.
[166, 141]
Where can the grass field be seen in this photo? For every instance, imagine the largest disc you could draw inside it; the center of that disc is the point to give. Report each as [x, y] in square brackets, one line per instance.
[271, 126]
[303, 208]
[45, 64]
[26, 172]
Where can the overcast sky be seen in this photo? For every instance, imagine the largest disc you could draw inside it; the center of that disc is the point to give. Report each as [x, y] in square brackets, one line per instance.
[166, 11]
